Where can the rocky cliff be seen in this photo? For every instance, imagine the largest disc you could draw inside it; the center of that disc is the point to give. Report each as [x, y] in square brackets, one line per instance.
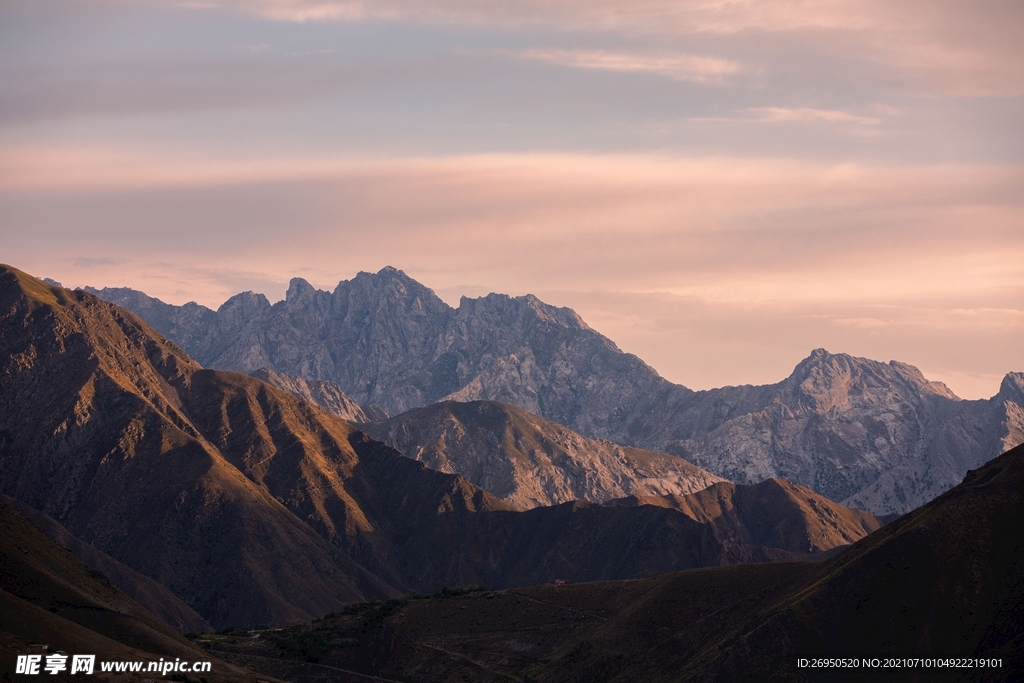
[323, 393]
[387, 340]
[876, 436]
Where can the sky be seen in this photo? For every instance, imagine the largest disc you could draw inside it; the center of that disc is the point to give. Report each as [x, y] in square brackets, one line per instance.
[719, 187]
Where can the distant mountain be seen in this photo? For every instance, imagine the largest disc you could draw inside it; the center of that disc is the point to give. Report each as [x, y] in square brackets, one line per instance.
[945, 581]
[528, 461]
[874, 435]
[253, 506]
[387, 340]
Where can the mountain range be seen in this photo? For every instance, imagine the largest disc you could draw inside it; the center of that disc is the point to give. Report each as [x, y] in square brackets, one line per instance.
[873, 435]
[253, 506]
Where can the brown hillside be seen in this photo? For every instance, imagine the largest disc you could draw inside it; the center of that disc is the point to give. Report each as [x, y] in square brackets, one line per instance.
[151, 595]
[49, 597]
[97, 433]
[775, 513]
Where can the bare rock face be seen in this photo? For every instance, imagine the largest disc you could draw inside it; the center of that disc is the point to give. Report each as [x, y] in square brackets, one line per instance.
[875, 435]
[327, 395]
[528, 461]
[388, 341]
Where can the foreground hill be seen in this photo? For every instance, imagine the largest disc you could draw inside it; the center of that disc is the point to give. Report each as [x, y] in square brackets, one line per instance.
[149, 594]
[946, 580]
[528, 461]
[48, 597]
[775, 512]
[873, 435]
[253, 506]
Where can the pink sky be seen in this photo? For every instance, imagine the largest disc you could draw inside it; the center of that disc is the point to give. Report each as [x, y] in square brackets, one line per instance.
[718, 187]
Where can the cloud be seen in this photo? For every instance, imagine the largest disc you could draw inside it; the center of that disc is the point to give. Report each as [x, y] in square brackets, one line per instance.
[719, 16]
[955, 48]
[696, 68]
[801, 115]
[253, 77]
[89, 262]
[723, 229]
[809, 115]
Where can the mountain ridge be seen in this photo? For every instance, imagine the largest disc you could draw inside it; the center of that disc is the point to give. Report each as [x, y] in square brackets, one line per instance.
[879, 436]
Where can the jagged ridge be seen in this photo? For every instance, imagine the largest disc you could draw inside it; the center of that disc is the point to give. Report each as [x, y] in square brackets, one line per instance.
[876, 435]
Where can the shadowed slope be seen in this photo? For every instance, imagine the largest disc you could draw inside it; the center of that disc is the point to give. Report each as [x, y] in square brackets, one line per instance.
[775, 513]
[946, 579]
[48, 596]
[148, 593]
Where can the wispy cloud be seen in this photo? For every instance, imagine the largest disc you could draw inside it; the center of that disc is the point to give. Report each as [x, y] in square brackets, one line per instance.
[808, 115]
[719, 16]
[696, 68]
[962, 49]
[720, 228]
[804, 115]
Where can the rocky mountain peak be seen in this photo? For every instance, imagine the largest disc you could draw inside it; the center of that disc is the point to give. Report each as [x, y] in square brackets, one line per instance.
[241, 308]
[299, 290]
[1012, 388]
[248, 302]
[825, 381]
[527, 308]
[878, 434]
[390, 290]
